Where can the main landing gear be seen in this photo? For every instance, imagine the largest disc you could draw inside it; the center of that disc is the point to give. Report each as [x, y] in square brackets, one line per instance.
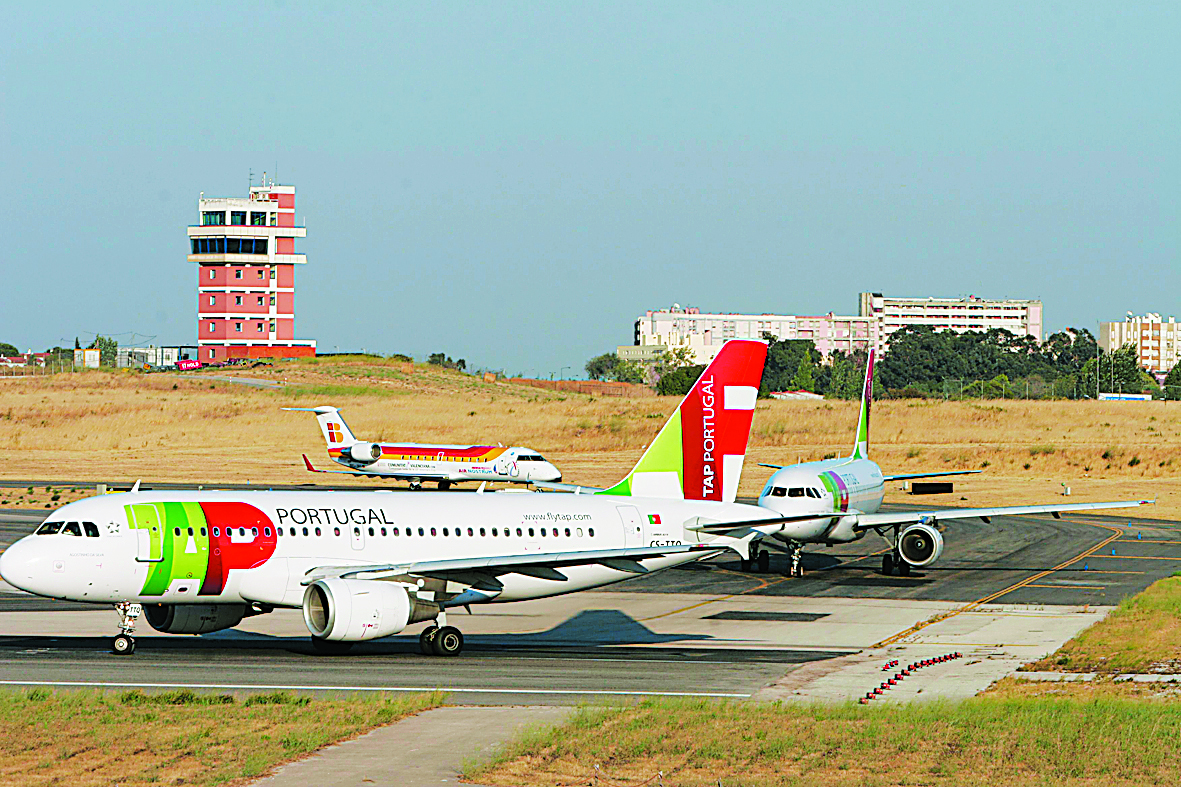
[439, 639]
[444, 486]
[758, 562]
[892, 561]
[124, 643]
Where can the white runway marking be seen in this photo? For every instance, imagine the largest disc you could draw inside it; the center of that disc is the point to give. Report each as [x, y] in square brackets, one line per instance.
[276, 687]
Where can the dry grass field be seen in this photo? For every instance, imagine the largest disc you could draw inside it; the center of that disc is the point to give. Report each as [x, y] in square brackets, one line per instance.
[1102, 738]
[119, 426]
[92, 738]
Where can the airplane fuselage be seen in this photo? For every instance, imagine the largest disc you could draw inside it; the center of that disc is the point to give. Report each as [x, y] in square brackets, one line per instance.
[452, 463]
[830, 488]
[235, 547]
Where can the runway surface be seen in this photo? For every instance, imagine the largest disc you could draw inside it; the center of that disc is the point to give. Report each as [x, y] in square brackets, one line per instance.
[704, 630]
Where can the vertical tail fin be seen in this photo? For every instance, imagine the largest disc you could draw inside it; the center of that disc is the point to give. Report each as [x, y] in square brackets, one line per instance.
[336, 432]
[861, 446]
[698, 455]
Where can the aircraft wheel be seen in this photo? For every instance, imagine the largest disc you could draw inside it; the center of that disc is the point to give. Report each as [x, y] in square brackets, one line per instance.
[426, 640]
[903, 567]
[764, 561]
[326, 647]
[448, 641]
[124, 645]
[743, 564]
[444, 485]
[887, 564]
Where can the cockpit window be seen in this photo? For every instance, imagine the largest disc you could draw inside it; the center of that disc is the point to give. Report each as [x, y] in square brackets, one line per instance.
[49, 528]
[72, 529]
[778, 491]
[795, 491]
[813, 492]
[91, 529]
[530, 458]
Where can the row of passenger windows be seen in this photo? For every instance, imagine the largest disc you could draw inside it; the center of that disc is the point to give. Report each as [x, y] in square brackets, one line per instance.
[795, 491]
[68, 529]
[228, 245]
[458, 532]
[217, 218]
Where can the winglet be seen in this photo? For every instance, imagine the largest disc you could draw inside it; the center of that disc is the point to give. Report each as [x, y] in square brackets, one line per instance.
[308, 464]
[134, 487]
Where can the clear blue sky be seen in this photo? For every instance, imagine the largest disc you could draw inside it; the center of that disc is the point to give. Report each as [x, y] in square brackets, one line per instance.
[515, 183]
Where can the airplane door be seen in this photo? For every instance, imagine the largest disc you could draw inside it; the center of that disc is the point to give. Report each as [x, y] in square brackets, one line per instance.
[149, 533]
[358, 537]
[633, 527]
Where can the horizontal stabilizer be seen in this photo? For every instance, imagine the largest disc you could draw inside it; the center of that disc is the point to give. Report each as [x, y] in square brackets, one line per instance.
[577, 489]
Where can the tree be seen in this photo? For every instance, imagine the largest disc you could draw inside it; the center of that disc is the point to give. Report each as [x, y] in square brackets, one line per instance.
[783, 363]
[8, 349]
[679, 382]
[444, 360]
[803, 380]
[1172, 387]
[1118, 371]
[628, 372]
[108, 350]
[601, 366]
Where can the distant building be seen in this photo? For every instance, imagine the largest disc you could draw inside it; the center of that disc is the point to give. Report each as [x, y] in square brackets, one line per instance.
[245, 252]
[155, 356]
[1022, 318]
[705, 334]
[1157, 343]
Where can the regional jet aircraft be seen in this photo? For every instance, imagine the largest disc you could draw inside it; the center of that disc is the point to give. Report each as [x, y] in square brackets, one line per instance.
[418, 462]
[364, 565]
[835, 501]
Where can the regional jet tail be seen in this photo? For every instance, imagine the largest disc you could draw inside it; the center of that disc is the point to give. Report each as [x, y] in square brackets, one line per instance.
[419, 462]
[836, 501]
[367, 564]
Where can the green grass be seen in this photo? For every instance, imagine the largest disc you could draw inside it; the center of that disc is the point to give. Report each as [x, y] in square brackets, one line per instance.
[84, 738]
[985, 740]
[1143, 630]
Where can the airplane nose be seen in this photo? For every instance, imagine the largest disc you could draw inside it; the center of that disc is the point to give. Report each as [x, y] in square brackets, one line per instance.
[15, 565]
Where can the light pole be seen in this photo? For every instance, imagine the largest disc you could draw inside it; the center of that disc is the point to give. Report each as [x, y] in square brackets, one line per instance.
[562, 373]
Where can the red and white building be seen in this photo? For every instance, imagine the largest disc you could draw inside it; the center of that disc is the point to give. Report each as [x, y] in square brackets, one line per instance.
[245, 252]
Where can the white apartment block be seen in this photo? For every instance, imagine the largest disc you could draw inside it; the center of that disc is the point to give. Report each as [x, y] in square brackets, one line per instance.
[1022, 318]
[705, 334]
[1157, 343]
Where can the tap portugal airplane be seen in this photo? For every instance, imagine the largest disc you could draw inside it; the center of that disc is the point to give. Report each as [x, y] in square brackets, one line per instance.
[836, 501]
[417, 462]
[364, 565]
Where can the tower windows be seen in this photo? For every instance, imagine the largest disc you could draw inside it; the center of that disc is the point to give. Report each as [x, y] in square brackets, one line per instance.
[213, 218]
[238, 218]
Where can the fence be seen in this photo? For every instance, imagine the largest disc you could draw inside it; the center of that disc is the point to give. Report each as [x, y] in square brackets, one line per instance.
[1059, 388]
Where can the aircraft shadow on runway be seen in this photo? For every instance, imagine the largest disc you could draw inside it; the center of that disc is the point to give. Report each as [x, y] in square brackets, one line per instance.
[595, 629]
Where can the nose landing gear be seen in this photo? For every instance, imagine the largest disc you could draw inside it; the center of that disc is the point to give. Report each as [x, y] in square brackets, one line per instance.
[124, 643]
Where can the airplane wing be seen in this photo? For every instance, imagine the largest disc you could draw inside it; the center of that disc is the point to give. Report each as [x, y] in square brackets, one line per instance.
[577, 489]
[907, 476]
[360, 473]
[871, 521]
[545, 565]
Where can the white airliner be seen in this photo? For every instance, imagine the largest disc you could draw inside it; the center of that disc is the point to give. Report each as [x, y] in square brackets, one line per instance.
[364, 565]
[418, 462]
[835, 501]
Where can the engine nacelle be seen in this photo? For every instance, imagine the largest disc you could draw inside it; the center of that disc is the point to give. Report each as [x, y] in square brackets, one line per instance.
[356, 610]
[920, 544]
[365, 453]
[193, 618]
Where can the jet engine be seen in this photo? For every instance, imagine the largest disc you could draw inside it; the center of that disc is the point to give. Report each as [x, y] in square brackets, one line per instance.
[365, 453]
[193, 618]
[356, 610]
[920, 544]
